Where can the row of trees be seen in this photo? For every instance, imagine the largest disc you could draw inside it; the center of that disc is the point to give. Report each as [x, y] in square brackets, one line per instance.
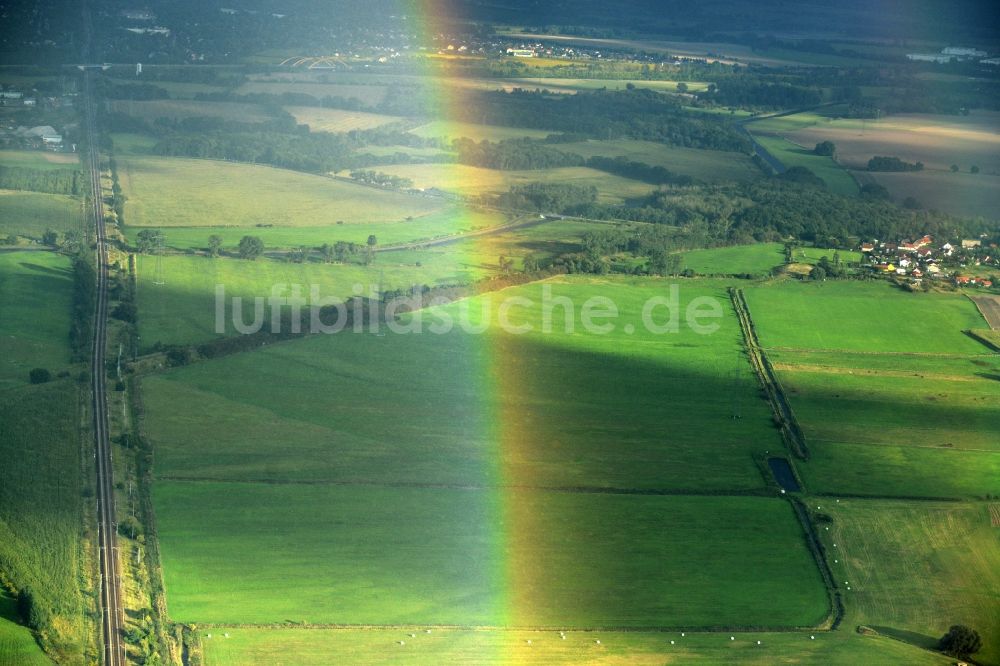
[884, 163]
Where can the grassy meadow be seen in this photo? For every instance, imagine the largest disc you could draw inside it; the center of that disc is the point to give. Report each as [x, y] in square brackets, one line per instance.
[17, 644]
[862, 317]
[893, 399]
[40, 505]
[338, 120]
[39, 159]
[35, 289]
[705, 165]
[31, 214]
[791, 154]
[391, 555]
[756, 259]
[457, 647]
[177, 192]
[949, 575]
[151, 111]
[446, 222]
[472, 181]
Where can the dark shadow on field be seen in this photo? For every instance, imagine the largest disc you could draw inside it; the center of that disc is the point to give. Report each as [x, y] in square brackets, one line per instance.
[911, 637]
[428, 409]
[47, 270]
[986, 375]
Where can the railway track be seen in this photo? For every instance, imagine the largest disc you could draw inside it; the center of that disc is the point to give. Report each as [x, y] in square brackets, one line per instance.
[112, 617]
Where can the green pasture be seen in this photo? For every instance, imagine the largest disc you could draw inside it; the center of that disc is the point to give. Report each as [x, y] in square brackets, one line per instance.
[916, 568]
[705, 165]
[648, 433]
[446, 222]
[862, 316]
[31, 214]
[465, 180]
[17, 644]
[39, 159]
[40, 504]
[236, 552]
[457, 130]
[756, 259]
[837, 179]
[35, 290]
[457, 647]
[178, 192]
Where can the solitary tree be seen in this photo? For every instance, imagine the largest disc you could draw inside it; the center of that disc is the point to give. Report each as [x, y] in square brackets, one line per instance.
[39, 375]
[251, 247]
[960, 641]
[682, 87]
[372, 242]
[973, 169]
[954, 168]
[214, 245]
[49, 237]
[150, 241]
[825, 148]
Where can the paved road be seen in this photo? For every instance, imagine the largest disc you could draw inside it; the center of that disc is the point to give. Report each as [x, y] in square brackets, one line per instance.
[112, 617]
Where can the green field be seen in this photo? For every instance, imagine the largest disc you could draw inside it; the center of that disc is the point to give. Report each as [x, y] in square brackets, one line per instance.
[182, 309]
[757, 259]
[17, 644]
[151, 111]
[575, 85]
[382, 555]
[337, 120]
[176, 192]
[477, 518]
[39, 159]
[35, 289]
[663, 407]
[455, 130]
[706, 165]
[31, 214]
[40, 507]
[893, 399]
[473, 181]
[862, 317]
[454, 647]
[837, 179]
[447, 222]
[949, 575]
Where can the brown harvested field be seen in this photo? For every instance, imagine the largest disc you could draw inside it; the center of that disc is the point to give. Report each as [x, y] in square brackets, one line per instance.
[956, 193]
[338, 120]
[990, 307]
[936, 140]
[174, 109]
[995, 515]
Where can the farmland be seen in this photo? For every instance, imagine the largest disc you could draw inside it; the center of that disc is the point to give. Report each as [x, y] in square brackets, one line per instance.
[457, 130]
[447, 222]
[31, 214]
[175, 192]
[470, 181]
[34, 336]
[337, 120]
[367, 94]
[37, 159]
[757, 259]
[151, 111]
[949, 575]
[476, 516]
[937, 141]
[455, 647]
[892, 398]
[792, 154]
[703, 165]
[17, 645]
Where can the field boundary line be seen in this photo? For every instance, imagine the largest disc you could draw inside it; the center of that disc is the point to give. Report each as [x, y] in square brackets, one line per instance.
[582, 490]
[333, 626]
[858, 352]
[784, 417]
[835, 614]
